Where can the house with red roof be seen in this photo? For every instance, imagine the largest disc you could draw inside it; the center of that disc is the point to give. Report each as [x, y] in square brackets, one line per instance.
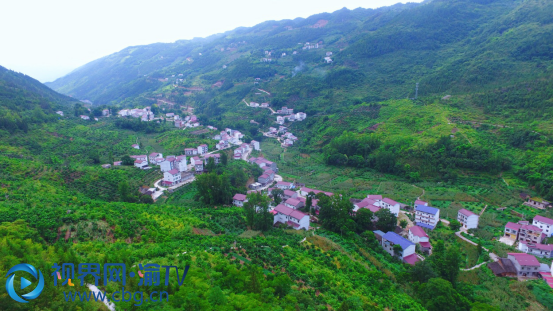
[284, 185]
[140, 163]
[290, 194]
[511, 230]
[304, 191]
[417, 235]
[135, 146]
[171, 177]
[390, 204]
[294, 203]
[531, 233]
[202, 149]
[468, 219]
[540, 250]
[190, 151]
[525, 264]
[367, 203]
[239, 199]
[544, 223]
[420, 202]
[291, 217]
[216, 157]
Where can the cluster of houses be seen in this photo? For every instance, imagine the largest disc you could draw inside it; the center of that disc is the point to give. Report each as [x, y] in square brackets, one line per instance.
[520, 265]
[227, 138]
[300, 116]
[530, 237]
[244, 148]
[288, 211]
[269, 171]
[258, 105]
[309, 46]
[144, 114]
[188, 121]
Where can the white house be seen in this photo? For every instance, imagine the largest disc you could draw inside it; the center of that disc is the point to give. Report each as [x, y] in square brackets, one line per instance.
[418, 236]
[280, 120]
[60, 113]
[239, 199]
[171, 177]
[427, 216]
[540, 250]
[190, 151]
[202, 149]
[180, 163]
[291, 217]
[468, 219]
[294, 203]
[544, 223]
[284, 185]
[140, 163]
[85, 117]
[300, 116]
[123, 113]
[255, 145]
[136, 146]
[390, 204]
[153, 157]
[407, 253]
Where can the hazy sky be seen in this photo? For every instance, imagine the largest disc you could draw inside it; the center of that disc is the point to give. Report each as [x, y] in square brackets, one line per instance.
[48, 39]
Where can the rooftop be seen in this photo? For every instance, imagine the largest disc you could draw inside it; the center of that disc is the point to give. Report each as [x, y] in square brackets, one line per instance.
[374, 197]
[292, 201]
[283, 209]
[423, 225]
[398, 239]
[466, 212]
[418, 231]
[389, 201]
[239, 197]
[426, 209]
[173, 172]
[512, 225]
[525, 259]
[543, 219]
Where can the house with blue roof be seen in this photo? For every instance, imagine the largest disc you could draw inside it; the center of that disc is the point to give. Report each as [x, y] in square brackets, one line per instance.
[407, 253]
[426, 216]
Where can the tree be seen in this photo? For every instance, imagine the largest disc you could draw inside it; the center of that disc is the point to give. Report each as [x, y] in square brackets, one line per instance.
[94, 156]
[403, 223]
[127, 160]
[364, 219]
[336, 214]
[439, 295]
[277, 195]
[257, 212]
[210, 166]
[387, 221]
[224, 158]
[454, 225]
[422, 271]
[398, 250]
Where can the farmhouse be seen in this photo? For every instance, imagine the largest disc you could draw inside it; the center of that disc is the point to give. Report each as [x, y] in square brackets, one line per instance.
[418, 236]
[140, 163]
[407, 252]
[540, 250]
[171, 177]
[503, 267]
[135, 146]
[202, 149]
[239, 199]
[544, 223]
[284, 185]
[525, 264]
[294, 203]
[426, 216]
[468, 219]
[291, 217]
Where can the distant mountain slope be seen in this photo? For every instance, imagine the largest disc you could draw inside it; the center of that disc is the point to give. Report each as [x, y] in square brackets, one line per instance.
[24, 100]
[447, 46]
[135, 70]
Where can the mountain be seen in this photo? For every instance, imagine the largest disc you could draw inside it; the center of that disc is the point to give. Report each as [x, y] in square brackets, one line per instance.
[24, 101]
[447, 46]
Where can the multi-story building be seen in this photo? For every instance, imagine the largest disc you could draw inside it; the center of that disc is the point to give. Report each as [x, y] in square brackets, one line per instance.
[544, 223]
[407, 252]
[468, 219]
[427, 216]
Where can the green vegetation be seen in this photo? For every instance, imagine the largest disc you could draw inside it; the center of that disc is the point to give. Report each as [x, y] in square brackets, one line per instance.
[478, 149]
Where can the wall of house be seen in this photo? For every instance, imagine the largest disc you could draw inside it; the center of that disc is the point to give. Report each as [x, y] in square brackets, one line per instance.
[409, 251]
[304, 223]
[165, 166]
[472, 222]
[547, 229]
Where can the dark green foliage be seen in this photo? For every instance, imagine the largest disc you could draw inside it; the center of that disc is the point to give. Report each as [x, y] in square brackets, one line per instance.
[386, 220]
[438, 295]
[335, 214]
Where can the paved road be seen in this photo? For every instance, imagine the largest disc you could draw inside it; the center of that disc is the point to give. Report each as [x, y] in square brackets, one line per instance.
[493, 256]
[157, 194]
